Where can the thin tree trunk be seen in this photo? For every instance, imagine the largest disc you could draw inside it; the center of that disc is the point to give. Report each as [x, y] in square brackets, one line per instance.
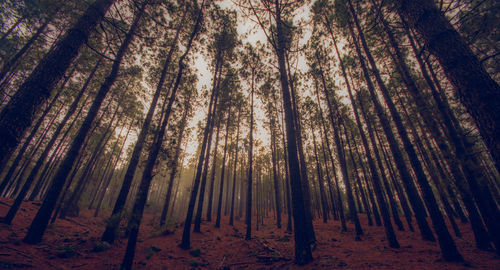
[448, 247]
[212, 176]
[186, 239]
[231, 215]
[18, 114]
[175, 164]
[404, 172]
[40, 222]
[147, 177]
[477, 90]
[221, 183]
[114, 220]
[248, 217]
[34, 172]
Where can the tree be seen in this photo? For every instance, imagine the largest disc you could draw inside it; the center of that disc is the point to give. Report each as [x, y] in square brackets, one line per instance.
[41, 220]
[475, 87]
[18, 114]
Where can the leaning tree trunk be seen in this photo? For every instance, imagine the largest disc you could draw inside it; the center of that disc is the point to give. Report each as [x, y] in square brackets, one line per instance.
[468, 158]
[334, 112]
[100, 197]
[396, 151]
[27, 141]
[40, 222]
[114, 221]
[34, 172]
[18, 114]
[477, 90]
[142, 194]
[9, 64]
[456, 158]
[175, 164]
[376, 179]
[448, 247]
[186, 234]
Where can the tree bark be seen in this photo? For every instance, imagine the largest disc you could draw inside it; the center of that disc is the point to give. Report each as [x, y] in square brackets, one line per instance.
[303, 253]
[40, 222]
[18, 114]
[477, 90]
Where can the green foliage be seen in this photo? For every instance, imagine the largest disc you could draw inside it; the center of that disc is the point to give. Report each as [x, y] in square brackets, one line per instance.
[195, 252]
[285, 238]
[193, 263]
[65, 251]
[102, 246]
[152, 250]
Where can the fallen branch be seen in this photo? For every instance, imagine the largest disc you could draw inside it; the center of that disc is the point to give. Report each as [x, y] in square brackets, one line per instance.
[222, 262]
[19, 252]
[5, 204]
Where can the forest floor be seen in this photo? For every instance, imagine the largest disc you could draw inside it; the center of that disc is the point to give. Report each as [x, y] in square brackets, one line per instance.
[69, 244]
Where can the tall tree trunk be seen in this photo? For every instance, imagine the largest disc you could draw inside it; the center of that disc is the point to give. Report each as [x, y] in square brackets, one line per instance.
[477, 90]
[303, 253]
[34, 172]
[231, 215]
[448, 247]
[474, 175]
[396, 151]
[465, 153]
[334, 112]
[175, 164]
[114, 220]
[286, 168]
[275, 174]
[221, 183]
[30, 137]
[203, 183]
[248, 216]
[324, 206]
[186, 234]
[212, 175]
[395, 183]
[100, 197]
[18, 114]
[142, 194]
[376, 179]
[58, 152]
[9, 64]
[40, 222]
[302, 157]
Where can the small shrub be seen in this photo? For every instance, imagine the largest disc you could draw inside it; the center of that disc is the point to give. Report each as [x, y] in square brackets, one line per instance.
[167, 232]
[65, 252]
[285, 238]
[195, 252]
[193, 262]
[102, 246]
[152, 251]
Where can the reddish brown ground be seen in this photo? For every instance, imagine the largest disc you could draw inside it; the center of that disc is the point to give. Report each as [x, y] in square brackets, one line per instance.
[226, 247]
